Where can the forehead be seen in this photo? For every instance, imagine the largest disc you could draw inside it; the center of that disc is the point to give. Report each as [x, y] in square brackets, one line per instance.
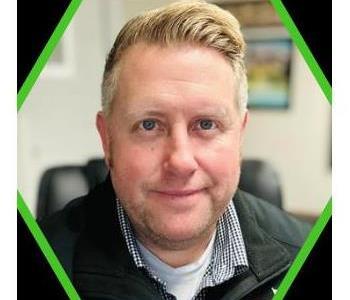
[172, 74]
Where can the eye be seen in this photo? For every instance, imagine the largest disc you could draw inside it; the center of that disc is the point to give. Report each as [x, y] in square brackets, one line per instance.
[149, 127]
[206, 124]
[148, 124]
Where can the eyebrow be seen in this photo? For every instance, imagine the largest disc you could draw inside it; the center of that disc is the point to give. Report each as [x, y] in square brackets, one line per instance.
[135, 114]
[147, 111]
[153, 106]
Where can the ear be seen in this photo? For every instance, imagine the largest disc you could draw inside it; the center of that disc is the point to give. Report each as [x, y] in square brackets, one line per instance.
[102, 128]
[245, 119]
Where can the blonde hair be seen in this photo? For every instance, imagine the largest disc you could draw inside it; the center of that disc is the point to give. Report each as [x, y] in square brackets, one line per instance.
[193, 22]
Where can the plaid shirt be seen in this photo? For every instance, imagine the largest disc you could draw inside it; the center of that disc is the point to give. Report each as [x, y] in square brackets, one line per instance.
[229, 256]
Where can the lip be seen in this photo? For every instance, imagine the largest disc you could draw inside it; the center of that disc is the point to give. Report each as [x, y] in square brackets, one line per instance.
[178, 193]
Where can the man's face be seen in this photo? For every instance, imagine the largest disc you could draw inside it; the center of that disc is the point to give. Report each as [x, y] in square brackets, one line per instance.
[173, 141]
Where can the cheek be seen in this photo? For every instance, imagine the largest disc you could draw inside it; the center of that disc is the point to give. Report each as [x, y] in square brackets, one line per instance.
[133, 164]
[222, 164]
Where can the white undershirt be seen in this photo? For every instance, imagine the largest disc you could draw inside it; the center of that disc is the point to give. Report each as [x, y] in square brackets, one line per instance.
[182, 282]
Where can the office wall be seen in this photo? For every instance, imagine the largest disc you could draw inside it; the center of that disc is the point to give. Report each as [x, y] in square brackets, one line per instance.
[296, 142]
[56, 123]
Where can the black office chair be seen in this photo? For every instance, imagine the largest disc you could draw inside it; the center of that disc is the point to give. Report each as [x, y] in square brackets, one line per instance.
[260, 179]
[59, 185]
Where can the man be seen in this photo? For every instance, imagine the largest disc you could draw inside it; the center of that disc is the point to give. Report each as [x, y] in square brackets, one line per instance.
[169, 222]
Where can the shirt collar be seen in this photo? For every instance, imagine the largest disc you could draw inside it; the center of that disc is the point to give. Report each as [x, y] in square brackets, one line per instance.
[229, 255]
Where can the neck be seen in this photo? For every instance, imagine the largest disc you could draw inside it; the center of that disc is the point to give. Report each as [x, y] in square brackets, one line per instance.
[183, 253]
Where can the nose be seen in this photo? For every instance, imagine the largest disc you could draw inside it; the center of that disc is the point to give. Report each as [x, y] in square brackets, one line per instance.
[180, 159]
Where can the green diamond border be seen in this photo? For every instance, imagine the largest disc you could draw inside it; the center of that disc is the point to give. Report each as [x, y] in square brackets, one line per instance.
[37, 69]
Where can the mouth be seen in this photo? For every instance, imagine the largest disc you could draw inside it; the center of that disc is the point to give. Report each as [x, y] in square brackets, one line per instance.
[178, 193]
[179, 200]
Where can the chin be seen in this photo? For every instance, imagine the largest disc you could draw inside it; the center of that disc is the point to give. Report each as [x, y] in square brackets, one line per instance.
[181, 234]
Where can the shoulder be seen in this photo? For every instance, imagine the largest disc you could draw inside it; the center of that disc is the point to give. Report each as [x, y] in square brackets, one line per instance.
[75, 215]
[277, 223]
[62, 230]
[70, 219]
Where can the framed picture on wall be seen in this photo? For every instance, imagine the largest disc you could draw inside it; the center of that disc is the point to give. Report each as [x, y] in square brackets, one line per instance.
[268, 66]
[268, 53]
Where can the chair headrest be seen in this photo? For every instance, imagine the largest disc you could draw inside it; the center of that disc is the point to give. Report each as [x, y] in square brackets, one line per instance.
[260, 179]
[58, 186]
